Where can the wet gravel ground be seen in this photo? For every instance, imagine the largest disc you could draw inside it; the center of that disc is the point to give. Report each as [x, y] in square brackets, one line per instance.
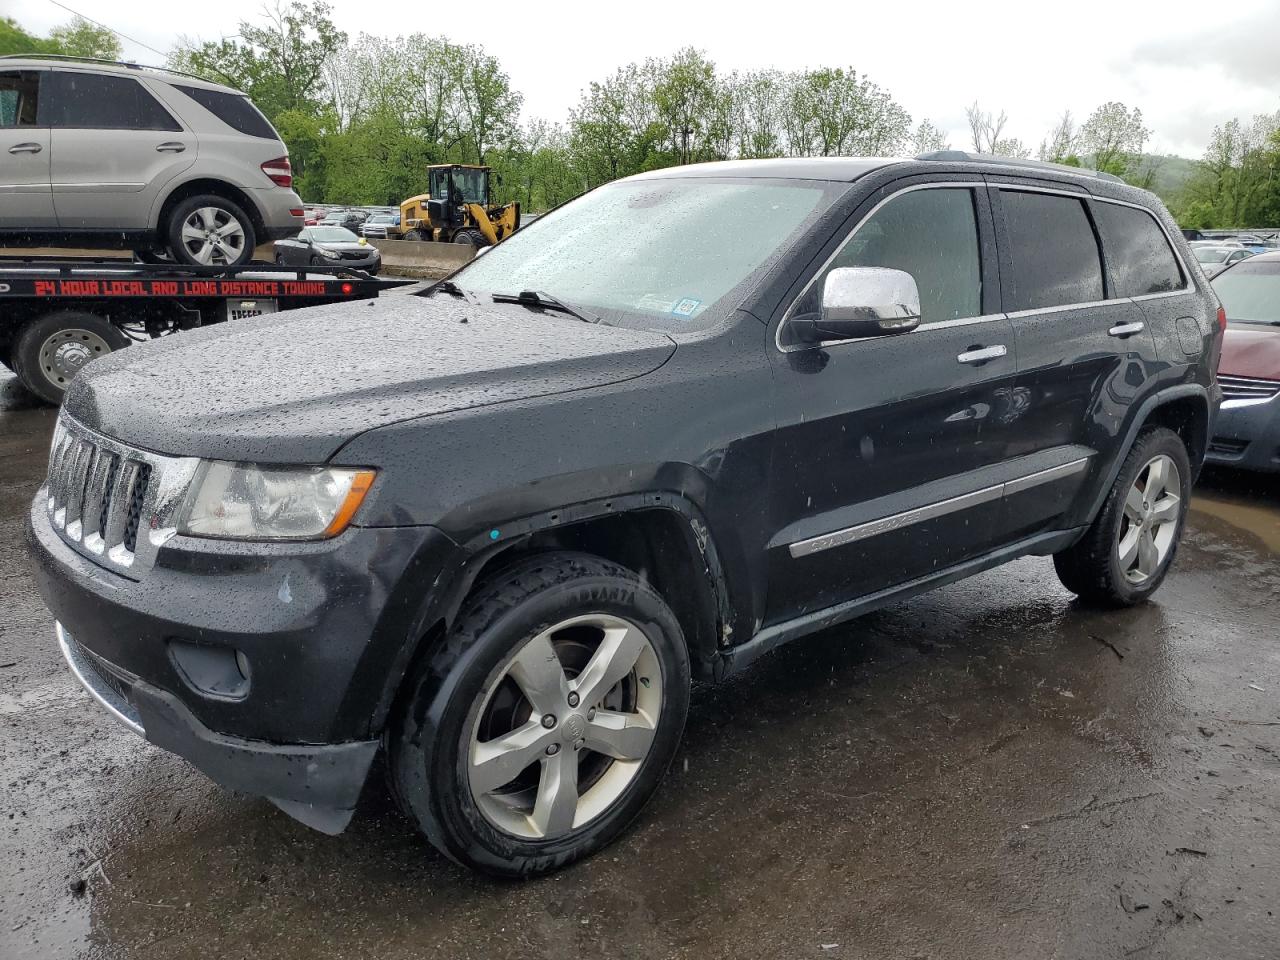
[988, 772]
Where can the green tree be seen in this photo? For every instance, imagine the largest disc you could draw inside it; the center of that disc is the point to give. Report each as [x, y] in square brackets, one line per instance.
[80, 38]
[1113, 138]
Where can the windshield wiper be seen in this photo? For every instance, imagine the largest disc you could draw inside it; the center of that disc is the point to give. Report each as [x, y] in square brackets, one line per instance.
[539, 300]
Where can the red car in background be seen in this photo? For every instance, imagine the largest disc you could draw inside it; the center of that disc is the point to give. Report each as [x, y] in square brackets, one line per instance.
[1247, 431]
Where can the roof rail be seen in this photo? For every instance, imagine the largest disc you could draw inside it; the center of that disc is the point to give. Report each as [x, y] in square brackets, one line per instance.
[128, 64]
[962, 156]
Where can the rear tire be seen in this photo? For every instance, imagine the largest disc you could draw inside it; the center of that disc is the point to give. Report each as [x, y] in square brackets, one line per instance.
[1126, 553]
[209, 230]
[500, 789]
[51, 350]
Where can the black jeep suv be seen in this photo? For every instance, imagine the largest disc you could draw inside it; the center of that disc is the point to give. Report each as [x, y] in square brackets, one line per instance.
[494, 530]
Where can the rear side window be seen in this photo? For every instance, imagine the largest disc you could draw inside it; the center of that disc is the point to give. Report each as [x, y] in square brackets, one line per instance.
[1055, 254]
[19, 93]
[930, 234]
[98, 101]
[1138, 251]
[233, 109]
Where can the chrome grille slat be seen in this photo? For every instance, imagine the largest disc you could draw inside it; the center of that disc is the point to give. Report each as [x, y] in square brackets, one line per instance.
[76, 478]
[112, 503]
[117, 513]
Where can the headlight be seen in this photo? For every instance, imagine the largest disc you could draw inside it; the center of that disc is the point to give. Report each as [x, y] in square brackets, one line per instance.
[325, 252]
[243, 501]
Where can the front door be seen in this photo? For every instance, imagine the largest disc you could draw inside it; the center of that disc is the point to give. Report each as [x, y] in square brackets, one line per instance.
[889, 449]
[114, 148]
[25, 197]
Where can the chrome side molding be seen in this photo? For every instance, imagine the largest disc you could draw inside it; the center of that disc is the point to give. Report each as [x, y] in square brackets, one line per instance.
[931, 511]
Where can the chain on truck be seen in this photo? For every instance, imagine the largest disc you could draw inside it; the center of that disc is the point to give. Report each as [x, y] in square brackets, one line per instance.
[57, 315]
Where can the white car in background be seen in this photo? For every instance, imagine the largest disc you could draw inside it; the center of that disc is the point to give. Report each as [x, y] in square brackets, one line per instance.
[1216, 258]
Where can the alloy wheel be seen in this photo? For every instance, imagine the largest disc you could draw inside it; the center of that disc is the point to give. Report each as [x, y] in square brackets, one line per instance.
[211, 235]
[564, 726]
[1149, 526]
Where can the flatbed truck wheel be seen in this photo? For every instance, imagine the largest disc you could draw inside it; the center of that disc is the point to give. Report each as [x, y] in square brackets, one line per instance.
[50, 349]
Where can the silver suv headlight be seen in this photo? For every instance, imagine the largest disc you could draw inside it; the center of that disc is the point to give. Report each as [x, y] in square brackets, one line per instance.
[245, 501]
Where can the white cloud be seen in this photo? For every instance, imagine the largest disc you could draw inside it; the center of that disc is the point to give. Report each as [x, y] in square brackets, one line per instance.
[1187, 68]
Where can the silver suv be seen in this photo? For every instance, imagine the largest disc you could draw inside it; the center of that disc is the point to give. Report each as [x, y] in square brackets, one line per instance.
[104, 154]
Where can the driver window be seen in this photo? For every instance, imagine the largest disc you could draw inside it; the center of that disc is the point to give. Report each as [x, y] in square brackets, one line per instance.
[931, 234]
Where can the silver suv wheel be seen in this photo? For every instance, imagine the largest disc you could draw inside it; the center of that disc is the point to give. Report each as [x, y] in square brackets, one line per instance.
[212, 235]
[564, 725]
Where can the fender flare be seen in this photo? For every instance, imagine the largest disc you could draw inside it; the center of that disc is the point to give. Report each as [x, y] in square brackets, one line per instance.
[1157, 399]
[446, 595]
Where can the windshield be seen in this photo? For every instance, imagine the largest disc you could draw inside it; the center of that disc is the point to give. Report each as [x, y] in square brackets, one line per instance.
[1250, 291]
[656, 254]
[1211, 254]
[469, 186]
[332, 235]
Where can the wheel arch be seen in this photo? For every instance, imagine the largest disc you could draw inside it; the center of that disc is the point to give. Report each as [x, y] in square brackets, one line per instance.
[221, 188]
[1185, 409]
[661, 536]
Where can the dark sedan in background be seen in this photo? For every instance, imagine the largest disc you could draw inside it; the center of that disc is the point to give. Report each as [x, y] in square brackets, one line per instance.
[324, 246]
[1247, 432]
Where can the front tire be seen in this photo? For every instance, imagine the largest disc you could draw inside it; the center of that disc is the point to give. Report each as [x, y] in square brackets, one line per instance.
[209, 230]
[545, 719]
[413, 235]
[472, 238]
[1126, 553]
[50, 350]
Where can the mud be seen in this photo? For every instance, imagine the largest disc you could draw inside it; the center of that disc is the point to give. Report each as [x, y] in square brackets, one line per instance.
[987, 771]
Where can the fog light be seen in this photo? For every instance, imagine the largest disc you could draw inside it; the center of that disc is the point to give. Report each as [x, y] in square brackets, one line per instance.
[211, 671]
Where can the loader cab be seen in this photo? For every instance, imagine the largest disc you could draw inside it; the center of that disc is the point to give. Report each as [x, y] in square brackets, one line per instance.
[451, 187]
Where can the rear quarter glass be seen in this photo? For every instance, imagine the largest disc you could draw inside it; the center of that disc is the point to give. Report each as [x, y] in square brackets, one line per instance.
[234, 110]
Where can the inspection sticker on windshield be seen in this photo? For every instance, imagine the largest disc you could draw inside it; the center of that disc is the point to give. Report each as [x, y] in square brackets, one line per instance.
[686, 307]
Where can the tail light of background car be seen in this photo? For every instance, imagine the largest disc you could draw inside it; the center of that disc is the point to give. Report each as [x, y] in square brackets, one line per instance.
[280, 171]
[1222, 318]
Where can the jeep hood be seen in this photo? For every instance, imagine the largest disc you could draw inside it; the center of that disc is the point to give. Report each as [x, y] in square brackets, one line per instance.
[293, 387]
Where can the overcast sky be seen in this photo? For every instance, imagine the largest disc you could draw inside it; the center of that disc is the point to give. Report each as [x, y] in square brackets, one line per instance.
[1188, 66]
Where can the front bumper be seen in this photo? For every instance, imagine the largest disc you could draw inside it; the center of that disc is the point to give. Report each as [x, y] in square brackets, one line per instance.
[325, 630]
[1246, 434]
[370, 264]
[318, 784]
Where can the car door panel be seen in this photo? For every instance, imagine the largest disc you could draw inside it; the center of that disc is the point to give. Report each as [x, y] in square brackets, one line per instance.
[885, 446]
[26, 199]
[106, 170]
[1081, 365]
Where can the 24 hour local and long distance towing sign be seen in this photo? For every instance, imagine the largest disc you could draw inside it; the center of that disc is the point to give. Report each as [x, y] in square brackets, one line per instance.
[55, 287]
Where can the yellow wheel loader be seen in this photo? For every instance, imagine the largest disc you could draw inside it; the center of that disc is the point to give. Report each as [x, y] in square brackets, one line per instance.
[458, 208]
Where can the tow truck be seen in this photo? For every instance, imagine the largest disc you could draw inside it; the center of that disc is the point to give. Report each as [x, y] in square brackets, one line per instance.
[58, 314]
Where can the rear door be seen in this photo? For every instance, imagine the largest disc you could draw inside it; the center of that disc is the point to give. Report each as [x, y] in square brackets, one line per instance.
[114, 147]
[25, 196]
[887, 463]
[1084, 351]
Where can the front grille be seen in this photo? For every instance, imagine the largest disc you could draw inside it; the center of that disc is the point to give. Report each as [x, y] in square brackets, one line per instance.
[111, 502]
[354, 255]
[1248, 388]
[95, 495]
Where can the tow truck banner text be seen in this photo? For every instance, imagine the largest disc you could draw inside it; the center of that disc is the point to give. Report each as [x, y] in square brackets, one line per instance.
[180, 288]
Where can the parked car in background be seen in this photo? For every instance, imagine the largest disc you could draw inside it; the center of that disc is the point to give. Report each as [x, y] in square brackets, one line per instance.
[383, 226]
[1214, 259]
[329, 246]
[105, 154]
[479, 529]
[1247, 431]
[351, 220]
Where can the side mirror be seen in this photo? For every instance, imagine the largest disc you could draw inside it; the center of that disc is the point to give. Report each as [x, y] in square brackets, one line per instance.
[861, 302]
